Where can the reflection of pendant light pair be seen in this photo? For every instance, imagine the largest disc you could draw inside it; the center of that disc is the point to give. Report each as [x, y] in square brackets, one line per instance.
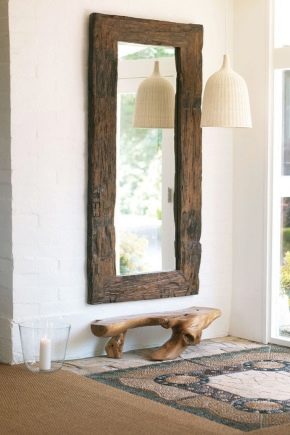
[225, 101]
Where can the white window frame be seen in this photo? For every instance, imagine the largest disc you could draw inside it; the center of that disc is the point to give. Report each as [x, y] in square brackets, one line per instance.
[280, 185]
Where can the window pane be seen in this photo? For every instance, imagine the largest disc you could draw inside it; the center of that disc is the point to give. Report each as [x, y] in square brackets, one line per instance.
[282, 28]
[286, 123]
[284, 315]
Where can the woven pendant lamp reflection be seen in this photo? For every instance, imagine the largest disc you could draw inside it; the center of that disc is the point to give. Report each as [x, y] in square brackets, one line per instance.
[154, 107]
[226, 100]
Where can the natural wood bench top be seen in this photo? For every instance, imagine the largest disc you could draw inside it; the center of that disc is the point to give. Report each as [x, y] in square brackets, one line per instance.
[186, 324]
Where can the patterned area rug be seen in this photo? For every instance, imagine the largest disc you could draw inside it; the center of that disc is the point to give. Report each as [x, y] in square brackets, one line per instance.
[245, 390]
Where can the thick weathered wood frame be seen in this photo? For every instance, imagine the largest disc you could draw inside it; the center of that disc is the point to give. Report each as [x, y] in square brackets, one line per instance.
[103, 284]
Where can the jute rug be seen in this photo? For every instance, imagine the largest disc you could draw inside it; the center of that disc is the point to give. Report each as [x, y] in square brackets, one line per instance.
[243, 390]
[65, 403]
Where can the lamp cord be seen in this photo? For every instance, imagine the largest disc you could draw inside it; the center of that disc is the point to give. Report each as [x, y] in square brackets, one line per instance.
[226, 26]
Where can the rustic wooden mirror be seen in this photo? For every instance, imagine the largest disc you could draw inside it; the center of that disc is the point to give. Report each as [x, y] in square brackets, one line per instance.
[104, 285]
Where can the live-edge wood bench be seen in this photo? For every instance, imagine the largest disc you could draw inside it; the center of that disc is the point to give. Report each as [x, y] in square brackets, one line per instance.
[186, 324]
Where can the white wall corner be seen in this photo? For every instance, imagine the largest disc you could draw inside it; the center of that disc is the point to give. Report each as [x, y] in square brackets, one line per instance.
[250, 209]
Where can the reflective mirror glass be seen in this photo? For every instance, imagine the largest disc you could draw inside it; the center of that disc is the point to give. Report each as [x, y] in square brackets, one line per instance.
[144, 218]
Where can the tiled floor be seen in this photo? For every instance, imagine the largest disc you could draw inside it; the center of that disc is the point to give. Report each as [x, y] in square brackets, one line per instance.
[138, 358]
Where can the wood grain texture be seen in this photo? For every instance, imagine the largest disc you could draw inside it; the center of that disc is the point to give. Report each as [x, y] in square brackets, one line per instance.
[186, 325]
[103, 284]
[114, 347]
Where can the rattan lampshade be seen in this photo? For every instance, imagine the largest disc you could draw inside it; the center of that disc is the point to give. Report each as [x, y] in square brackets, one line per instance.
[154, 107]
[226, 100]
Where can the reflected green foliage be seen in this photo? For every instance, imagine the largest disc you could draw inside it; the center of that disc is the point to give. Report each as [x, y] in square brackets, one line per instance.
[285, 207]
[151, 52]
[285, 231]
[139, 165]
[285, 247]
[285, 240]
[285, 274]
[132, 250]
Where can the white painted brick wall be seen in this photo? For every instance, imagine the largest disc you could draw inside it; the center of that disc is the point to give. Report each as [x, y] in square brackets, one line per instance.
[48, 49]
[6, 264]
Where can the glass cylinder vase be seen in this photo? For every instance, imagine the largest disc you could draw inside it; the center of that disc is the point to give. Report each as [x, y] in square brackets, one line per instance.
[44, 344]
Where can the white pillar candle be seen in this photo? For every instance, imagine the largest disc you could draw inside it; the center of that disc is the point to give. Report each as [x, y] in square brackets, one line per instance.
[45, 354]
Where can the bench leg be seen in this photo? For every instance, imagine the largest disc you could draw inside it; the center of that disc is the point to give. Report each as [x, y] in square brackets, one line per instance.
[114, 347]
[178, 341]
